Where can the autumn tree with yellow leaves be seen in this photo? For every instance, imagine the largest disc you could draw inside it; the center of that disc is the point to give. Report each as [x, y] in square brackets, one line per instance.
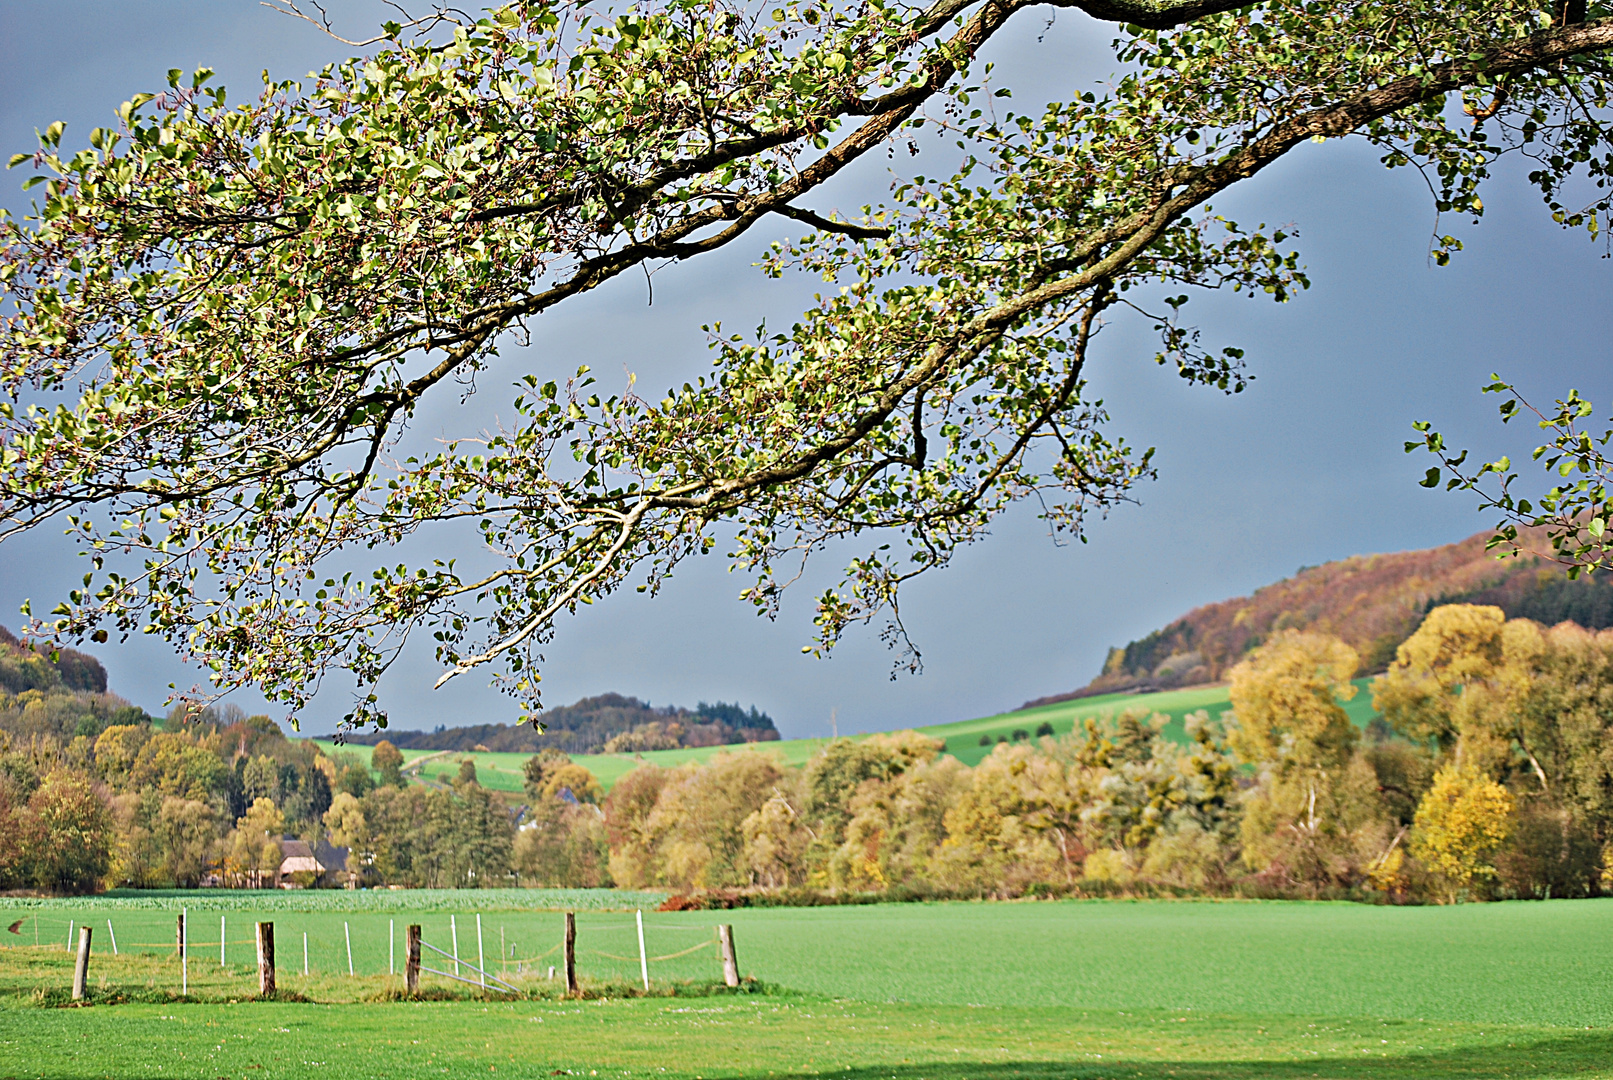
[1461, 824]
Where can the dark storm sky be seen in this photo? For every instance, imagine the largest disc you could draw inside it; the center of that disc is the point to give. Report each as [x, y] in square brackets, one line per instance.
[1304, 467]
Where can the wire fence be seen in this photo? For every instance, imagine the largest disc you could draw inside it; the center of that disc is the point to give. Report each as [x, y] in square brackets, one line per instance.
[511, 947]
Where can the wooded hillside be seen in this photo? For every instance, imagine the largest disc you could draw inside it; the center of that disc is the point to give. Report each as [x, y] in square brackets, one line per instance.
[1372, 602]
[608, 722]
[23, 669]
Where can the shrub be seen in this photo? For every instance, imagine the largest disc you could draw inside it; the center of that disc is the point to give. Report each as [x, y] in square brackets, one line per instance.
[1547, 854]
[1461, 824]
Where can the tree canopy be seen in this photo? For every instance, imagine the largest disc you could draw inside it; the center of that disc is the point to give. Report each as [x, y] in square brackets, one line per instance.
[220, 319]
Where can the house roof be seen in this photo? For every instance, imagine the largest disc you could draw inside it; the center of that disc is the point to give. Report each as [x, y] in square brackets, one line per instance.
[296, 849]
[334, 858]
[298, 857]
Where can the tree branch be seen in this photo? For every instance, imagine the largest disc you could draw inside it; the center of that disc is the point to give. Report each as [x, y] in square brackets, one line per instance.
[1152, 14]
[857, 232]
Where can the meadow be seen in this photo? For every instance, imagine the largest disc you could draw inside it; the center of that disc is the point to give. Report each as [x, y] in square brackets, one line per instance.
[953, 990]
[503, 772]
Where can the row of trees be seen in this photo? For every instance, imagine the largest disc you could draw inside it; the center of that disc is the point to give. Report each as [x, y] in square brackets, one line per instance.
[87, 801]
[1488, 773]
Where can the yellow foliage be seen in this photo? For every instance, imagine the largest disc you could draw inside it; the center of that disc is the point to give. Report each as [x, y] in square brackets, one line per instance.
[1107, 864]
[117, 747]
[252, 854]
[585, 787]
[995, 821]
[775, 839]
[907, 748]
[1460, 825]
[1285, 698]
[1457, 646]
[1388, 874]
[345, 820]
[698, 821]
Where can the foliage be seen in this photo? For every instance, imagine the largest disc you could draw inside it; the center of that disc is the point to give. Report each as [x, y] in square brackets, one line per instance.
[255, 854]
[24, 668]
[1524, 703]
[561, 844]
[697, 827]
[1372, 602]
[187, 837]
[608, 723]
[387, 760]
[1457, 647]
[462, 836]
[1460, 826]
[1314, 818]
[539, 768]
[656, 735]
[294, 275]
[1549, 853]
[891, 813]
[93, 792]
[1285, 799]
[1571, 516]
[575, 779]
[1286, 701]
[61, 839]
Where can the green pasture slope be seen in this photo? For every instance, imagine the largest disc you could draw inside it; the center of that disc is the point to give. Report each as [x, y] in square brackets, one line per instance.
[950, 991]
[502, 772]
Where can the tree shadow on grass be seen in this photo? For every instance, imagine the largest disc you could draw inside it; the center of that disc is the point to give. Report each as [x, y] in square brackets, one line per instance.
[1571, 1054]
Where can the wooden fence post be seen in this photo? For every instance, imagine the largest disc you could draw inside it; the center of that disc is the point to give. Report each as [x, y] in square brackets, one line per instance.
[730, 962]
[411, 960]
[266, 987]
[81, 970]
[568, 953]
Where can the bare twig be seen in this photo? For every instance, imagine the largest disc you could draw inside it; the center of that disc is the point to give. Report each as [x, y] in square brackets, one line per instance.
[429, 22]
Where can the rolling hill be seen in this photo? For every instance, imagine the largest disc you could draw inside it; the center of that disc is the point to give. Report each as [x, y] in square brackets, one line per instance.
[592, 725]
[1374, 602]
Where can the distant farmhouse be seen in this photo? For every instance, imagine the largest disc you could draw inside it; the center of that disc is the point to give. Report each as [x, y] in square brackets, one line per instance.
[306, 865]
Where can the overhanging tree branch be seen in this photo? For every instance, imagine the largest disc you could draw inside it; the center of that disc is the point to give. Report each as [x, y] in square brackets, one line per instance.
[253, 300]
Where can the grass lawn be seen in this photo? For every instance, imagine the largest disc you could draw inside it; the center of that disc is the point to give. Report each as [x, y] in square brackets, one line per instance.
[953, 990]
[503, 772]
[774, 1036]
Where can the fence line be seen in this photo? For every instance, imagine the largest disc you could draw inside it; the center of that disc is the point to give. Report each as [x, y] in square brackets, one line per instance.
[143, 940]
[653, 959]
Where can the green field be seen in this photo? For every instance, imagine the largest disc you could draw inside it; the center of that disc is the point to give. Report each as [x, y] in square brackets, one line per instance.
[1052, 989]
[502, 772]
